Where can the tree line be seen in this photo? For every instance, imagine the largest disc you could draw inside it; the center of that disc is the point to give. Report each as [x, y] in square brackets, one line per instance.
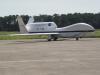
[9, 23]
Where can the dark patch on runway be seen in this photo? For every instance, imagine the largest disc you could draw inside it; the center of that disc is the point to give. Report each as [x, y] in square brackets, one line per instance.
[43, 41]
[26, 41]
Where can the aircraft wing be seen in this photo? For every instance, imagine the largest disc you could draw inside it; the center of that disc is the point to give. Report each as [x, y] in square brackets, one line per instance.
[33, 34]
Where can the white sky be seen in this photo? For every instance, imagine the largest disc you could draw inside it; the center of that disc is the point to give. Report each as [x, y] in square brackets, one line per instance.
[50, 7]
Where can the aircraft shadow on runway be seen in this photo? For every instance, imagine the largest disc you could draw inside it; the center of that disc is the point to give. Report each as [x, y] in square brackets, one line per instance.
[44, 41]
[33, 41]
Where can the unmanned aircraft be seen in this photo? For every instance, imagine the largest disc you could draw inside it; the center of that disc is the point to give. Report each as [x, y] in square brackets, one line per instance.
[77, 30]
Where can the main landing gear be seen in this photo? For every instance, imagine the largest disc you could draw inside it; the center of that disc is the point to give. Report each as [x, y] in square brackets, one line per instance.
[77, 38]
[50, 37]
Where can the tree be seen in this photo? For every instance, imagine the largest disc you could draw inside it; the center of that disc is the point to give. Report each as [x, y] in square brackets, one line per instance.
[9, 23]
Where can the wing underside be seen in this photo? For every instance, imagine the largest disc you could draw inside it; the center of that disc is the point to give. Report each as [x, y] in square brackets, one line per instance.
[34, 34]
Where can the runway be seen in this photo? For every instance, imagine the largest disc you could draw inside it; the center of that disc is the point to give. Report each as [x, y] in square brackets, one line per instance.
[40, 57]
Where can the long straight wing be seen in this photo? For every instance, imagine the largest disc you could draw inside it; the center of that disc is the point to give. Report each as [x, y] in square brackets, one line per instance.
[33, 34]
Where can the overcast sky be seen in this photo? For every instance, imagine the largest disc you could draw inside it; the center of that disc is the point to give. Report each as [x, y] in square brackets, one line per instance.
[37, 7]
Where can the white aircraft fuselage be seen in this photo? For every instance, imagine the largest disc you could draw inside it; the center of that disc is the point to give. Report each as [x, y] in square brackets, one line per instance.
[50, 28]
[78, 29]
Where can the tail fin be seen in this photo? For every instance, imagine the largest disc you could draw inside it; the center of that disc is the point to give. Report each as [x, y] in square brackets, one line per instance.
[31, 19]
[21, 25]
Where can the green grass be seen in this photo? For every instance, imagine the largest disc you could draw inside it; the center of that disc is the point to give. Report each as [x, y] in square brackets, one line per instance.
[22, 37]
[6, 33]
[96, 34]
[5, 36]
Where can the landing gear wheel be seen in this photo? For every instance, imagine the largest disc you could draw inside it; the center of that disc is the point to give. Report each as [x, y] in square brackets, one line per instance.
[77, 38]
[49, 39]
[55, 39]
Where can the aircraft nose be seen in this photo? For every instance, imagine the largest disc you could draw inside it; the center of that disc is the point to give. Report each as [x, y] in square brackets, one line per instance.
[92, 28]
[89, 27]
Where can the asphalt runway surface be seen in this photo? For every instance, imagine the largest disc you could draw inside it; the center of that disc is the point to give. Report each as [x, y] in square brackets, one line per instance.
[39, 57]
